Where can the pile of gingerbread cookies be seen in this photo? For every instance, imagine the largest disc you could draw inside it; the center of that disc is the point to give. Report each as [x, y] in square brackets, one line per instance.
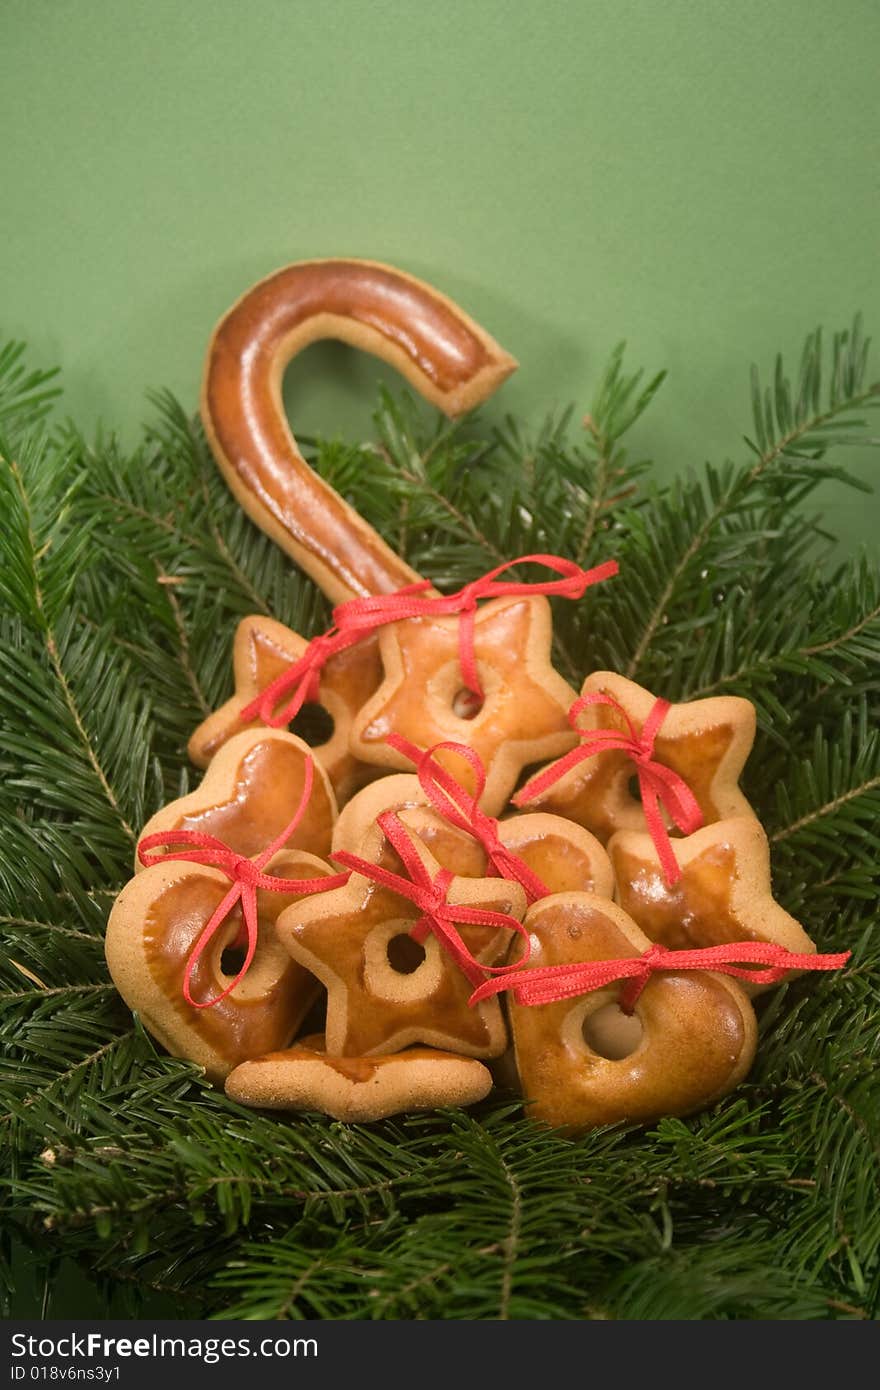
[479, 874]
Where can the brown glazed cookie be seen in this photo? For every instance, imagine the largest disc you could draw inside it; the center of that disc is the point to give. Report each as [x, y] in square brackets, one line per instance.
[262, 650]
[304, 1077]
[523, 716]
[691, 1039]
[398, 792]
[402, 793]
[706, 742]
[249, 794]
[564, 856]
[384, 990]
[442, 352]
[723, 895]
[153, 928]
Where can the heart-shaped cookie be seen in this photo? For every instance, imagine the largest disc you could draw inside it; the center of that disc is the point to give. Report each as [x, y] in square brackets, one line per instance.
[249, 794]
[583, 1063]
[153, 928]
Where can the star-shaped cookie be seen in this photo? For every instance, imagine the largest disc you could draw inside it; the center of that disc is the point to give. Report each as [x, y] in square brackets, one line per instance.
[304, 1077]
[523, 715]
[705, 741]
[723, 895]
[262, 650]
[384, 991]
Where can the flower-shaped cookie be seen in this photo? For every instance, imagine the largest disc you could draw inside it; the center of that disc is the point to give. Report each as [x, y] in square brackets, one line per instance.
[262, 650]
[562, 855]
[705, 742]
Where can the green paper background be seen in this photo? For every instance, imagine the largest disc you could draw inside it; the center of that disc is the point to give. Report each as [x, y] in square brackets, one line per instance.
[698, 176]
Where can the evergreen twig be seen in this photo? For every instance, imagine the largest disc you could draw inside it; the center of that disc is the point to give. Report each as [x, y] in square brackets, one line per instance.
[157, 1186]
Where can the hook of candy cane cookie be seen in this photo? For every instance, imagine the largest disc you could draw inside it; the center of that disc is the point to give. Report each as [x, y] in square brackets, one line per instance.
[441, 352]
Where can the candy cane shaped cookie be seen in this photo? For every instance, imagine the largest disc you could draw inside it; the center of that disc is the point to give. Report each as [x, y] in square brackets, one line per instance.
[441, 352]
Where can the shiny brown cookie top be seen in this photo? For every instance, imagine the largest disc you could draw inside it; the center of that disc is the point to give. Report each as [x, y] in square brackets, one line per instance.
[250, 793]
[706, 742]
[384, 990]
[581, 1063]
[523, 714]
[263, 649]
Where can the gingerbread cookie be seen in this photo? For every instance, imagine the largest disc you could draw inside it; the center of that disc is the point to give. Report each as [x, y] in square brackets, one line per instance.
[523, 714]
[248, 794]
[385, 990]
[723, 893]
[564, 856]
[397, 792]
[305, 1077]
[690, 1040]
[152, 933]
[447, 357]
[705, 743]
[262, 650]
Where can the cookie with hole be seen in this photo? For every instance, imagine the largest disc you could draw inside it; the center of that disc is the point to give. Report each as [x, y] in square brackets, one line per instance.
[262, 650]
[386, 988]
[584, 1062]
[152, 934]
[697, 749]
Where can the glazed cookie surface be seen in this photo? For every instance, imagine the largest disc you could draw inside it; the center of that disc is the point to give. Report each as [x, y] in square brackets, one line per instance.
[723, 894]
[384, 990]
[523, 714]
[249, 793]
[442, 352]
[263, 649]
[706, 742]
[582, 1063]
[305, 1077]
[153, 928]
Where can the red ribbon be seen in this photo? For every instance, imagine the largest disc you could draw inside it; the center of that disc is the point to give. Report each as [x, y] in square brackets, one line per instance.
[438, 917]
[550, 983]
[246, 875]
[658, 784]
[461, 808]
[354, 619]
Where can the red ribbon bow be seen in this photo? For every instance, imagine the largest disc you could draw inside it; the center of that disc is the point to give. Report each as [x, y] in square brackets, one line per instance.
[658, 784]
[357, 617]
[438, 917]
[550, 983]
[246, 875]
[461, 808]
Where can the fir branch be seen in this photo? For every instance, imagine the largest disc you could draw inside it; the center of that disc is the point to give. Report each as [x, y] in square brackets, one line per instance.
[787, 428]
[122, 1159]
